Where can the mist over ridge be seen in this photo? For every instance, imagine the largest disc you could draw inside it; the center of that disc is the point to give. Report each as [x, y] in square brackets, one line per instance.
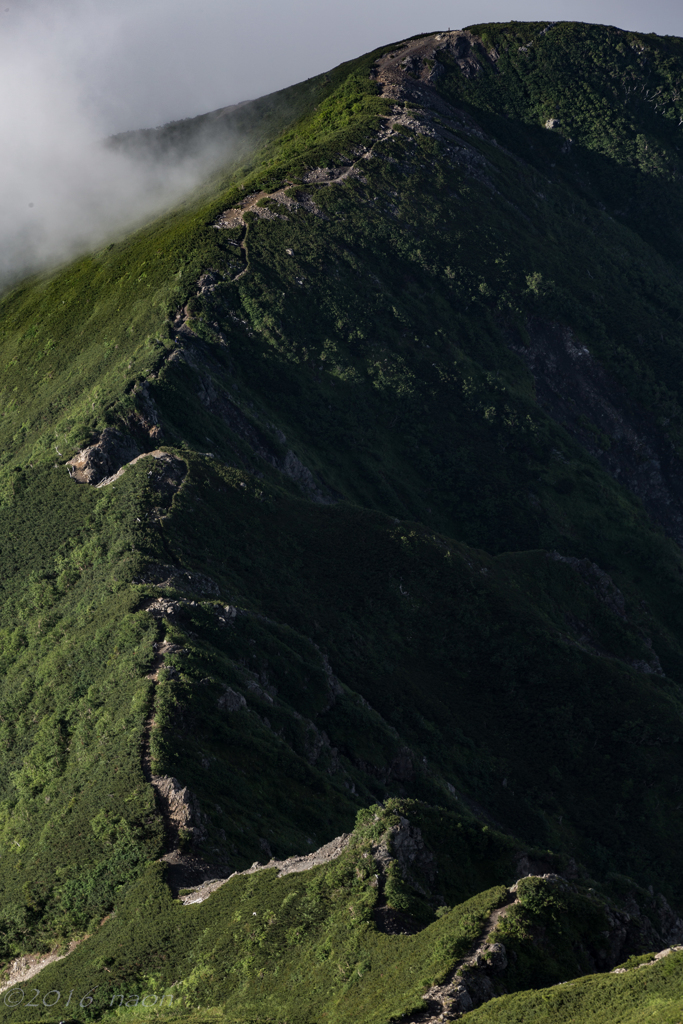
[65, 184]
[76, 72]
[63, 189]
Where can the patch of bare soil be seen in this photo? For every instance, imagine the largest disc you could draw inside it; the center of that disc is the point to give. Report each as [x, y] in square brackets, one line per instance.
[25, 967]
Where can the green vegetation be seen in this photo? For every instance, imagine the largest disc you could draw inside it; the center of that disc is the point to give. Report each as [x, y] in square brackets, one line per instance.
[411, 556]
[272, 948]
[304, 945]
[653, 993]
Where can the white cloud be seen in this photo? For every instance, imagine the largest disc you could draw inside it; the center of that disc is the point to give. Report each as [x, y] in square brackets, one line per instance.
[74, 71]
[61, 189]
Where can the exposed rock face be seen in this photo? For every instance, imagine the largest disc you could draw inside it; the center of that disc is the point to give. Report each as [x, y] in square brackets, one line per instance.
[230, 700]
[632, 928]
[525, 865]
[416, 63]
[292, 865]
[208, 282]
[598, 580]
[401, 769]
[100, 461]
[404, 844]
[578, 393]
[146, 414]
[479, 976]
[166, 473]
[104, 462]
[294, 468]
[180, 806]
[316, 742]
[417, 862]
[646, 925]
[658, 956]
[164, 607]
[185, 870]
[184, 827]
[602, 584]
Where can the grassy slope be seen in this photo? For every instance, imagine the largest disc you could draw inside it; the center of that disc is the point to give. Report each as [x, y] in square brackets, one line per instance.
[74, 344]
[649, 994]
[304, 947]
[386, 370]
[312, 947]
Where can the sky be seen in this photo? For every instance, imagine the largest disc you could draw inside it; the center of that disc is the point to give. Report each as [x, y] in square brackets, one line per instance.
[140, 63]
[75, 71]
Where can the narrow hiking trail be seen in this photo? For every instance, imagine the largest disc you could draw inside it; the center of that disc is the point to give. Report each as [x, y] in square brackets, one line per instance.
[468, 983]
[408, 73]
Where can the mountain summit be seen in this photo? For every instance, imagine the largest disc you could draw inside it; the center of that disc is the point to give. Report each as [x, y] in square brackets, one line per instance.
[341, 524]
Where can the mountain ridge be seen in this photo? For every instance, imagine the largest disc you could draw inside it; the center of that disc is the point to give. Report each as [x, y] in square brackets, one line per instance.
[427, 565]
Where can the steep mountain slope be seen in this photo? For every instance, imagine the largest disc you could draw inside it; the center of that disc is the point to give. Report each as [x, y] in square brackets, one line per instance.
[355, 481]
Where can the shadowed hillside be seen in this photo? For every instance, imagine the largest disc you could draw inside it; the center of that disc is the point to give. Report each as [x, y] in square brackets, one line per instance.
[341, 512]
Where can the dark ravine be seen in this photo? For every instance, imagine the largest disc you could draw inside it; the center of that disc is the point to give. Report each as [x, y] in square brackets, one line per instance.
[573, 388]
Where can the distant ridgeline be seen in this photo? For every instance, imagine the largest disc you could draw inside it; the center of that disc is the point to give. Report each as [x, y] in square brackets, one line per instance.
[341, 514]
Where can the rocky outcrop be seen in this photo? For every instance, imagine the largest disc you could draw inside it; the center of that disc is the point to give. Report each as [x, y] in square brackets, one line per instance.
[400, 770]
[405, 844]
[146, 415]
[632, 928]
[158, 575]
[645, 923]
[104, 462]
[181, 809]
[99, 462]
[162, 607]
[481, 975]
[473, 980]
[598, 580]
[335, 687]
[468, 985]
[415, 65]
[231, 701]
[292, 865]
[650, 963]
[264, 441]
[294, 468]
[402, 844]
[184, 822]
[184, 826]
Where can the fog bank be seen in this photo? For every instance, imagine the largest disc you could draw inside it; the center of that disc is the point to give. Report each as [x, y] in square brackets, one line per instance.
[63, 189]
[73, 72]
